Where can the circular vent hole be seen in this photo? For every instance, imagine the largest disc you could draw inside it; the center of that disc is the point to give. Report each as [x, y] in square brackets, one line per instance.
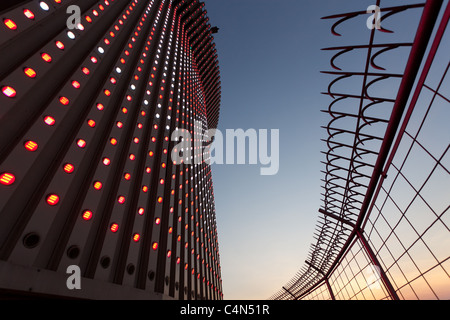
[31, 240]
[105, 261]
[130, 269]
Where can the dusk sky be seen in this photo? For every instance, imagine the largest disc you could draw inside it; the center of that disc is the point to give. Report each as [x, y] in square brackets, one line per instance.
[270, 60]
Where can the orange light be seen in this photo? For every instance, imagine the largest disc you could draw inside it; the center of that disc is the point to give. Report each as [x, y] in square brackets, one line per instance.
[31, 146]
[64, 101]
[98, 185]
[160, 200]
[141, 211]
[119, 124]
[151, 153]
[107, 92]
[87, 215]
[114, 227]
[7, 179]
[157, 221]
[85, 70]
[88, 19]
[30, 72]
[91, 123]
[106, 161]
[136, 140]
[9, 91]
[161, 181]
[94, 59]
[10, 24]
[113, 141]
[121, 199]
[136, 237]
[59, 45]
[81, 143]
[58, 1]
[155, 245]
[69, 168]
[132, 157]
[52, 199]
[169, 253]
[100, 106]
[76, 84]
[145, 188]
[46, 57]
[28, 13]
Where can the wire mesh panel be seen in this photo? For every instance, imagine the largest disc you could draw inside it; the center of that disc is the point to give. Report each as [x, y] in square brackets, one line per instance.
[409, 224]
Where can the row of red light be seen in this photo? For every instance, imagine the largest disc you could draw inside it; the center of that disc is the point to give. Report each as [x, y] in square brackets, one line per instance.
[145, 188]
[87, 215]
[211, 230]
[121, 199]
[179, 237]
[69, 168]
[191, 125]
[197, 223]
[141, 211]
[53, 199]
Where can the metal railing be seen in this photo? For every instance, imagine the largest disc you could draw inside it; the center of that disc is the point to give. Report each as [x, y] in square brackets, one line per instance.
[384, 228]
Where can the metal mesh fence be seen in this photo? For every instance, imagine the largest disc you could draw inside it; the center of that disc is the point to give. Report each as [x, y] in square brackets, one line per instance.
[384, 233]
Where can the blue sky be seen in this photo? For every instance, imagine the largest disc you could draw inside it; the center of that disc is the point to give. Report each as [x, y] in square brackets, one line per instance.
[270, 60]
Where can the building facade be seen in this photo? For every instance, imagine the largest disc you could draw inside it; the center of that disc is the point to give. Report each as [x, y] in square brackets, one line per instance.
[89, 114]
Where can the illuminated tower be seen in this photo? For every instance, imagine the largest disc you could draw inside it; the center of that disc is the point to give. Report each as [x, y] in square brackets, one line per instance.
[86, 175]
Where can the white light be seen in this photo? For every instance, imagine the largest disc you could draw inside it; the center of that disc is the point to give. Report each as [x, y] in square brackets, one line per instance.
[44, 6]
[118, 70]
[101, 50]
[71, 35]
[133, 87]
